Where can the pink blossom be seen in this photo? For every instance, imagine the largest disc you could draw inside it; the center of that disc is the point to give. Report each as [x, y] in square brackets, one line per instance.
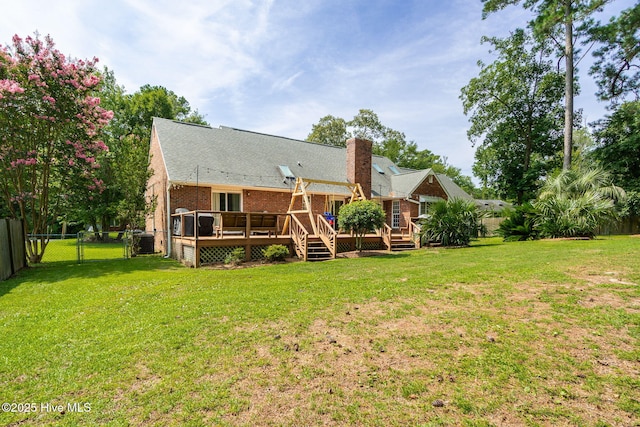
[26, 162]
[71, 162]
[91, 81]
[92, 101]
[49, 99]
[10, 86]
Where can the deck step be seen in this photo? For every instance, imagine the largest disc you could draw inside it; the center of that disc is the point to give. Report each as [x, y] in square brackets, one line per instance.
[402, 245]
[317, 251]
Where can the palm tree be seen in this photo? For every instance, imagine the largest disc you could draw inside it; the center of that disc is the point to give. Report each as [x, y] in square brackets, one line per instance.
[575, 202]
[452, 223]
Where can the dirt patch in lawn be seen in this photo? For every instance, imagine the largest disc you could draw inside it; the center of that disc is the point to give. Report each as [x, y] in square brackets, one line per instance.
[363, 254]
[437, 358]
[247, 264]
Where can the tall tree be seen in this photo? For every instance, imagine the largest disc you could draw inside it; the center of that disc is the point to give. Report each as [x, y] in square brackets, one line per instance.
[617, 66]
[156, 101]
[561, 21]
[367, 125]
[50, 121]
[515, 109]
[330, 130]
[388, 142]
[125, 170]
[618, 145]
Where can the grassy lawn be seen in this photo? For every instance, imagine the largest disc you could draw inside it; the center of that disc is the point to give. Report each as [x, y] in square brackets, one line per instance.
[66, 250]
[534, 333]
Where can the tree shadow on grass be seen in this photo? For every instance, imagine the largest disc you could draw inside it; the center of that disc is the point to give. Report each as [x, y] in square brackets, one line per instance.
[56, 271]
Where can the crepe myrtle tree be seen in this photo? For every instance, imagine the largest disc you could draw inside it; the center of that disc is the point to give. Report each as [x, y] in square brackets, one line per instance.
[361, 217]
[50, 124]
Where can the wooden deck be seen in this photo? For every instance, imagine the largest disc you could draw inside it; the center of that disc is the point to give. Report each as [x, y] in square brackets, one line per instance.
[216, 234]
[200, 251]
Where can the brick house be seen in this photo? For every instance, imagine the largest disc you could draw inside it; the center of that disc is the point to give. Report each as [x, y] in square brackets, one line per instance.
[225, 169]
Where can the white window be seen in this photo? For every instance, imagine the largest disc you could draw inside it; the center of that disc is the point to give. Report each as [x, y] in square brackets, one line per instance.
[226, 202]
[395, 214]
[425, 202]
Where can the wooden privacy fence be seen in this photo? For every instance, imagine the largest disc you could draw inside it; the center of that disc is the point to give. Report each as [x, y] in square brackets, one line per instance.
[628, 225]
[12, 250]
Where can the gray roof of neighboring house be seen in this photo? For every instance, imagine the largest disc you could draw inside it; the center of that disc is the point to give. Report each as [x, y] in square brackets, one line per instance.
[493, 205]
[238, 158]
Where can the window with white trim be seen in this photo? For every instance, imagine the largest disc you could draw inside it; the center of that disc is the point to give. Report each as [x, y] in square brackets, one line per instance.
[226, 202]
[425, 202]
[395, 214]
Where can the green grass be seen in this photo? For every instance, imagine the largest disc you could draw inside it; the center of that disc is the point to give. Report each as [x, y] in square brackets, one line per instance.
[66, 250]
[528, 333]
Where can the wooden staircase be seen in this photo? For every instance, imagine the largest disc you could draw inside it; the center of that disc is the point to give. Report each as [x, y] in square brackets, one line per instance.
[401, 243]
[395, 240]
[317, 250]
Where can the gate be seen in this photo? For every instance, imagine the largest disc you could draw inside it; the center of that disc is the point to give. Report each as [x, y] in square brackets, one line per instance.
[114, 245]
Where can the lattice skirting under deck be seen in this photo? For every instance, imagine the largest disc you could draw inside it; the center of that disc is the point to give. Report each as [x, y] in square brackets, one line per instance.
[257, 252]
[367, 246]
[211, 255]
[371, 246]
[344, 247]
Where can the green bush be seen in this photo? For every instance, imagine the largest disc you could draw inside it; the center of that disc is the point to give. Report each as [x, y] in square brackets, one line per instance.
[276, 253]
[237, 256]
[361, 217]
[452, 223]
[575, 202]
[519, 224]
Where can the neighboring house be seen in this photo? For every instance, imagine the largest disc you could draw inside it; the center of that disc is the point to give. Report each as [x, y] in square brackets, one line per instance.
[493, 206]
[227, 169]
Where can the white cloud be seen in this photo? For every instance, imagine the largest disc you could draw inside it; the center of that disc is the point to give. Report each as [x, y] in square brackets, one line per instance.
[279, 66]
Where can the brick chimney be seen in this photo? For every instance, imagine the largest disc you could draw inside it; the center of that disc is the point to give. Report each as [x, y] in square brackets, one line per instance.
[359, 164]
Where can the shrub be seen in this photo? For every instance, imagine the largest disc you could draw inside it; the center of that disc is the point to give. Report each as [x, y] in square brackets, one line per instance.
[452, 223]
[575, 202]
[235, 257]
[519, 224]
[361, 217]
[276, 253]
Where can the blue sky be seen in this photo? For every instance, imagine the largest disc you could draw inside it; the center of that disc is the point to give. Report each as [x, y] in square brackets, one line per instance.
[278, 66]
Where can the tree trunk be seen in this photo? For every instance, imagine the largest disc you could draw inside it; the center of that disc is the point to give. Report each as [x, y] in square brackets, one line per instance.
[568, 94]
[105, 228]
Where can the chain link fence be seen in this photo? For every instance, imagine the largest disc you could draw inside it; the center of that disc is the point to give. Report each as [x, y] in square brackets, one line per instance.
[86, 246]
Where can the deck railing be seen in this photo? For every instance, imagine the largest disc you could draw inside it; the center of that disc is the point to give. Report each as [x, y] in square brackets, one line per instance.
[217, 224]
[327, 234]
[385, 233]
[300, 237]
[414, 233]
[194, 223]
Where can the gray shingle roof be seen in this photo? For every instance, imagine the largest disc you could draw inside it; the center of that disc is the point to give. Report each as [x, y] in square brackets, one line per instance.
[452, 189]
[237, 158]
